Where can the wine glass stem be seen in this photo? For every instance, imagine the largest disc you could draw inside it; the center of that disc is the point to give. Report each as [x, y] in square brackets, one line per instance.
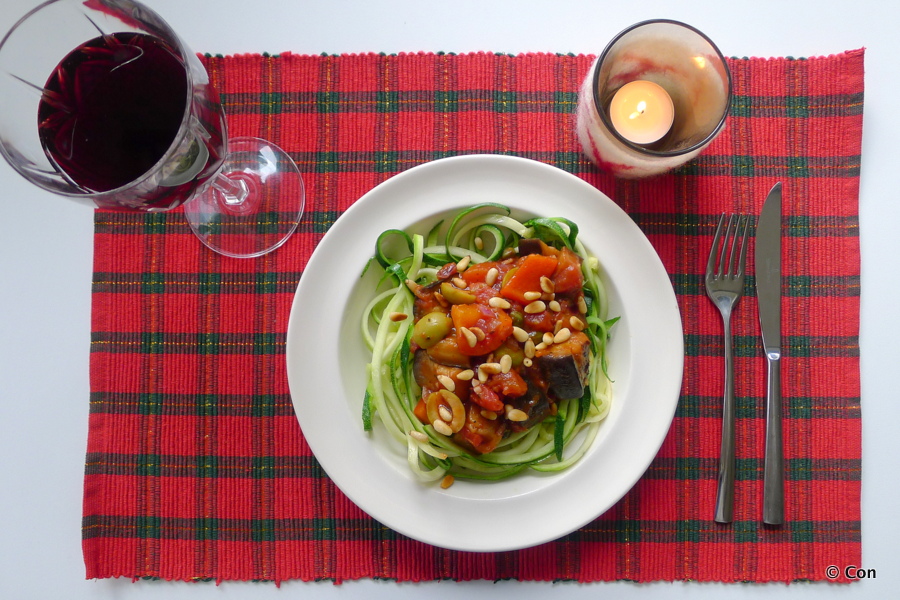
[234, 191]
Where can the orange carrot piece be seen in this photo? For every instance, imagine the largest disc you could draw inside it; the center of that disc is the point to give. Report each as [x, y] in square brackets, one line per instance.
[527, 277]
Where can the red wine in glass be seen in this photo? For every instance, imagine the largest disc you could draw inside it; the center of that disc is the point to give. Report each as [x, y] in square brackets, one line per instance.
[129, 120]
[112, 109]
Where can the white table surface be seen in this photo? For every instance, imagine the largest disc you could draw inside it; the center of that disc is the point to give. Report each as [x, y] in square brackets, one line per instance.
[46, 253]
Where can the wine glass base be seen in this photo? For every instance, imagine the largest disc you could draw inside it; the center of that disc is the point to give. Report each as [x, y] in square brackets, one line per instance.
[254, 204]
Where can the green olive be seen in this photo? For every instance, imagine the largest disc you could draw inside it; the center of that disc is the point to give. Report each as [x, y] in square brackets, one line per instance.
[515, 353]
[507, 276]
[454, 295]
[431, 329]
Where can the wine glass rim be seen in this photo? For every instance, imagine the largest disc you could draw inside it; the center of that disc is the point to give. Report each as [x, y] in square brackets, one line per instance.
[173, 42]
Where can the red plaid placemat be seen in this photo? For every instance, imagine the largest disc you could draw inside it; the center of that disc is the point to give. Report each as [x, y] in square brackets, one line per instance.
[197, 468]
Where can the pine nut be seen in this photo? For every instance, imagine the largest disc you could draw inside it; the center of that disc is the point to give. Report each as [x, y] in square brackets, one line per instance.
[489, 414]
[445, 413]
[527, 362]
[442, 428]
[505, 363]
[482, 375]
[479, 243]
[516, 415]
[441, 300]
[479, 333]
[540, 346]
[466, 375]
[463, 264]
[554, 306]
[557, 326]
[576, 323]
[447, 382]
[491, 368]
[418, 436]
[459, 282]
[582, 305]
[412, 285]
[470, 337]
[447, 481]
[548, 338]
[529, 348]
[564, 334]
[498, 302]
[491, 276]
[529, 296]
[520, 334]
[535, 307]
[547, 284]
[398, 316]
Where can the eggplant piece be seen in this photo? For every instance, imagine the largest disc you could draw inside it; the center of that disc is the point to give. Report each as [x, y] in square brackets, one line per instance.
[426, 372]
[446, 352]
[535, 403]
[530, 246]
[565, 366]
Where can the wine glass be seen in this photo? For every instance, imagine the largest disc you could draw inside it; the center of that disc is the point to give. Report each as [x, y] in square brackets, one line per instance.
[103, 103]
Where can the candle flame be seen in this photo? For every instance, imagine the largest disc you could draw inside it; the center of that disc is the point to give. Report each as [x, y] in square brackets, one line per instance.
[641, 107]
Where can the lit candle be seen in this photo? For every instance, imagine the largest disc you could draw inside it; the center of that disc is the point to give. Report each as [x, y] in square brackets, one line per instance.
[642, 112]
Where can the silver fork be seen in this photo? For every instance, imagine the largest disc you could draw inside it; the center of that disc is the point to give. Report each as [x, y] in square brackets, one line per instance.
[725, 286]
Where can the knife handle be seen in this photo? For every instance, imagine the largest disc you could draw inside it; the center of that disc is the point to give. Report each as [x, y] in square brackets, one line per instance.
[773, 475]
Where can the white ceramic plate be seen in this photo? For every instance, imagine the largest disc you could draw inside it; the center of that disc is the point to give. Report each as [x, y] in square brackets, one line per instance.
[326, 360]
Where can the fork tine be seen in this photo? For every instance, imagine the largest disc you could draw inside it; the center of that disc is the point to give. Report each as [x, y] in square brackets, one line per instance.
[736, 219]
[724, 256]
[740, 271]
[711, 261]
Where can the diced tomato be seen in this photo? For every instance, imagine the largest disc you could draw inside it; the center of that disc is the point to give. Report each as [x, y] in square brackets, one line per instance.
[508, 384]
[496, 325]
[527, 277]
[486, 398]
[473, 438]
[425, 301]
[481, 433]
[483, 292]
[542, 321]
[568, 277]
[477, 272]
[420, 412]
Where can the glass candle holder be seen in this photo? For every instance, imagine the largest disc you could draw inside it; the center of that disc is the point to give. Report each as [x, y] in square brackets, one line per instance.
[653, 99]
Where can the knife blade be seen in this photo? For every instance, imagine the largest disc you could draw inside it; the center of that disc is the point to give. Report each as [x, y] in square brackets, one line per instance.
[768, 293]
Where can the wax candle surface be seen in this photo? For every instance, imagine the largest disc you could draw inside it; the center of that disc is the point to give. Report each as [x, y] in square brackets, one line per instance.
[642, 112]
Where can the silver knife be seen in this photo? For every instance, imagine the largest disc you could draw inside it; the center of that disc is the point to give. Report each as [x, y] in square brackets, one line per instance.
[768, 293]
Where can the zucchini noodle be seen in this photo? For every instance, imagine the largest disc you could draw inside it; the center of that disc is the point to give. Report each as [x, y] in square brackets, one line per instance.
[482, 232]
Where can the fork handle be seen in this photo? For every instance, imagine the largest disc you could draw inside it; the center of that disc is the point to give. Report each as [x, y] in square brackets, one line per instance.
[725, 491]
[773, 474]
